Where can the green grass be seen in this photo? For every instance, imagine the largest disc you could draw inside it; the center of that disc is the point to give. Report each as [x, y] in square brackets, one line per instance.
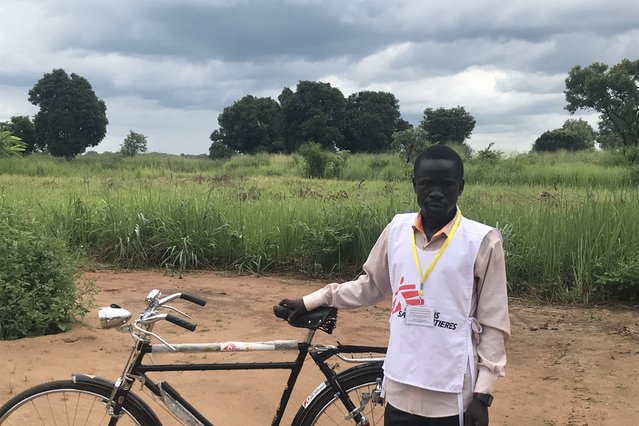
[566, 220]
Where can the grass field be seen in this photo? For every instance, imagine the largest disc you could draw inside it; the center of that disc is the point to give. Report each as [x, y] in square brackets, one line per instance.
[569, 221]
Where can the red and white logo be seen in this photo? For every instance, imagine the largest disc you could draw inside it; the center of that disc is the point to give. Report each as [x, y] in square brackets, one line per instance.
[406, 294]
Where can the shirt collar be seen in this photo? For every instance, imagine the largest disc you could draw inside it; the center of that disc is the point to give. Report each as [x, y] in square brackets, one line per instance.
[419, 227]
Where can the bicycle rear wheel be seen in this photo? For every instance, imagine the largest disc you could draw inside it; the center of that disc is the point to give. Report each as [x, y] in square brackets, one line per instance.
[327, 409]
[66, 402]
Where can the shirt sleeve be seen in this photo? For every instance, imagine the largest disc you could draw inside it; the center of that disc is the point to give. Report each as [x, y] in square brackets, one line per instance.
[491, 312]
[372, 286]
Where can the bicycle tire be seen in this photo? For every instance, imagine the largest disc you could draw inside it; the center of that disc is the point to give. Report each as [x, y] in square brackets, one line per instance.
[66, 402]
[326, 409]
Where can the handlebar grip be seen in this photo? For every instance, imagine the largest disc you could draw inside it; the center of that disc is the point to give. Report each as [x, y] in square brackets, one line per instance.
[181, 322]
[281, 312]
[193, 299]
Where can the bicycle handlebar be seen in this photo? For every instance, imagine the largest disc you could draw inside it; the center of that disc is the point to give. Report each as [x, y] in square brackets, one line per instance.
[180, 321]
[192, 298]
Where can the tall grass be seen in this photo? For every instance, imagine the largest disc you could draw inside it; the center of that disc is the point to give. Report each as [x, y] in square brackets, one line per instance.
[565, 225]
[559, 245]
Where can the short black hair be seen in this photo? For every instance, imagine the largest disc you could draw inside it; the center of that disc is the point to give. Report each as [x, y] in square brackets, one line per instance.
[441, 152]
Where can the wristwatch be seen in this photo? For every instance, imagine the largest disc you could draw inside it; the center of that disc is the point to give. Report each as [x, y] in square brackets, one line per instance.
[485, 398]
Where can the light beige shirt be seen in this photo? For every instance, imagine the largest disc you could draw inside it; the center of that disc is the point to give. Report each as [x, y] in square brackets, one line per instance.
[489, 305]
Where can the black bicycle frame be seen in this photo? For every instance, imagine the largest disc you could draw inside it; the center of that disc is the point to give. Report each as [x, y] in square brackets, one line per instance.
[319, 357]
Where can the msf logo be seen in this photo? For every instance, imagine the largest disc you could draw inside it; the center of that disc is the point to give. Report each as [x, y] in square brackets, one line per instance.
[406, 294]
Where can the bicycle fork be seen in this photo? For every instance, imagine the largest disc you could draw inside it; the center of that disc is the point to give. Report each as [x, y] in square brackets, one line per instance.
[118, 396]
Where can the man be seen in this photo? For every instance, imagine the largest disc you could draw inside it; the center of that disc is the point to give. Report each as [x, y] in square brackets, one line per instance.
[449, 316]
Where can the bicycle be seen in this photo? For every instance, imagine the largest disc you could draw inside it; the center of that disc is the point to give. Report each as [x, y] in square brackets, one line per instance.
[353, 396]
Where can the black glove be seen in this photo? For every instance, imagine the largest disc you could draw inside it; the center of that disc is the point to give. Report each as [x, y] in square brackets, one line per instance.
[296, 306]
[476, 414]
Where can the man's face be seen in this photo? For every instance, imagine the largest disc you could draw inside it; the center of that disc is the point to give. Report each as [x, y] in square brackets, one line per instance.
[437, 185]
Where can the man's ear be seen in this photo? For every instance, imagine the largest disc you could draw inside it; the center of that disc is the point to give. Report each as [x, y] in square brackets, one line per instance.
[461, 186]
[413, 180]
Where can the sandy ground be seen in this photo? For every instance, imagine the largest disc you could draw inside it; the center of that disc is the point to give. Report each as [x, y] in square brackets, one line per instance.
[567, 365]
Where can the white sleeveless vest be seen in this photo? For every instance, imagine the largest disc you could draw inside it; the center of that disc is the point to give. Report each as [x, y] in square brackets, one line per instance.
[432, 357]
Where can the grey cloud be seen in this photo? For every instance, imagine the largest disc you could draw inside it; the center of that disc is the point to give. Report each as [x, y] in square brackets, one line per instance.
[230, 32]
[182, 58]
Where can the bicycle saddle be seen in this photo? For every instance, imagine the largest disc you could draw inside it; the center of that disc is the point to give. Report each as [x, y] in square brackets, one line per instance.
[323, 318]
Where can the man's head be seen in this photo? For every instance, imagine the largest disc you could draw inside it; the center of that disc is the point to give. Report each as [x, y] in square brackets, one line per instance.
[438, 181]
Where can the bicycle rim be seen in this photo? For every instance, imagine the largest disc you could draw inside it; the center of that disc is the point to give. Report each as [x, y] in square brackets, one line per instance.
[63, 406]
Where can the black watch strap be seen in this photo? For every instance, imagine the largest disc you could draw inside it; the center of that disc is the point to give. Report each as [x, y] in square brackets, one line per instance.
[485, 398]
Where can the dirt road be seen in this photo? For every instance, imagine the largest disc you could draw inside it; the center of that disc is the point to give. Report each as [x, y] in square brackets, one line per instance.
[567, 365]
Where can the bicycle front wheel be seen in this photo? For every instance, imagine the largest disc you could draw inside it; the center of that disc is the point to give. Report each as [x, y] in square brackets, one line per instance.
[327, 409]
[65, 402]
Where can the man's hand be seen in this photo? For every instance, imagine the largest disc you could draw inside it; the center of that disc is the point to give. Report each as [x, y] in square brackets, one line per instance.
[296, 306]
[476, 414]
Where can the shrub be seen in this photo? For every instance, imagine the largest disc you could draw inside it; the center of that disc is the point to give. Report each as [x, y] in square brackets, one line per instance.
[489, 154]
[37, 291]
[620, 282]
[315, 159]
[336, 164]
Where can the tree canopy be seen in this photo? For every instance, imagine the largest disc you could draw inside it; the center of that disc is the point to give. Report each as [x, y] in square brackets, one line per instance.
[558, 139]
[613, 92]
[314, 112]
[583, 131]
[370, 120]
[410, 143]
[251, 125]
[448, 125]
[134, 143]
[71, 116]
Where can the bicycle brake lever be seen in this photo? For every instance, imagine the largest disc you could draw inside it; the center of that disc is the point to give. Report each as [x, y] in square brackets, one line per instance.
[178, 311]
[135, 325]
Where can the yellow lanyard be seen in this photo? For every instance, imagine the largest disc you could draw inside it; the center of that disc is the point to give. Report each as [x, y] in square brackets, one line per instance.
[437, 256]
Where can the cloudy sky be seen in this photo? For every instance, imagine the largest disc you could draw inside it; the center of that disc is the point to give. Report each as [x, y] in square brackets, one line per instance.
[167, 68]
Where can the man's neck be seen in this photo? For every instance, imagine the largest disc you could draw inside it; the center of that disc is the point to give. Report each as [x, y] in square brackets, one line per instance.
[433, 225]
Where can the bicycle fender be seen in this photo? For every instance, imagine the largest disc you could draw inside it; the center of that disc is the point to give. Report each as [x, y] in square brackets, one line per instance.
[313, 394]
[109, 385]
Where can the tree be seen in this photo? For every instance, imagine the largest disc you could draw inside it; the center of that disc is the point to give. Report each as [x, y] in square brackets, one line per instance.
[10, 144]
[134, 143]
[370, 120]
[219, 151]
[444, 125]
[314, 112]
[22, 127]
[402, 125]
[607, 137]
[410, 143]
[71, 116]
[613, 92]
[583, 131]
[558, 139]
[251, 125]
